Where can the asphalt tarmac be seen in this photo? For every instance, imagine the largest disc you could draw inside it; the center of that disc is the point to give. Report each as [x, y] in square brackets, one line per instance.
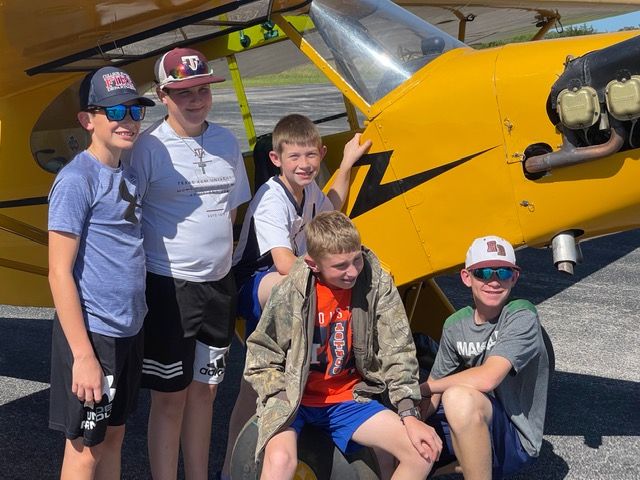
[592, 428]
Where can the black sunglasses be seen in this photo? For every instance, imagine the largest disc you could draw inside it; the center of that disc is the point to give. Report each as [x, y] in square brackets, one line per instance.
[116, 113]
[503, 273]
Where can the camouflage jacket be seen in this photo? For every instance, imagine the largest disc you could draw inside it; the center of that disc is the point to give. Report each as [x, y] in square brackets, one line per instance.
[279, 350]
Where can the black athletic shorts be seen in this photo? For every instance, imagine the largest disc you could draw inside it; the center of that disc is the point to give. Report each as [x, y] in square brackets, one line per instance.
[121, 361]
[181, 312]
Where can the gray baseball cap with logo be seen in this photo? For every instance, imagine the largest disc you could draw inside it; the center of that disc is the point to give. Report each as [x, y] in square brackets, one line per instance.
[109, 86]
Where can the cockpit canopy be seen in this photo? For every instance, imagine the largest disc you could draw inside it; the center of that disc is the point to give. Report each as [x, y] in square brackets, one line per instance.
[374, 45]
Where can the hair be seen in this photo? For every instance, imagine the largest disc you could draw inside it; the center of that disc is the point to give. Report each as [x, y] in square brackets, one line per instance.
[295, 129]
[331, 232]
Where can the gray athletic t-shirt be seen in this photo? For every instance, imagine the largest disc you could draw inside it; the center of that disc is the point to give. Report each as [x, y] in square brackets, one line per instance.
[516, 336]
[101, 205]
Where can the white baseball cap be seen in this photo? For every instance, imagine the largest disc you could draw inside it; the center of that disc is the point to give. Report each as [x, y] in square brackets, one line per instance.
[490, 251]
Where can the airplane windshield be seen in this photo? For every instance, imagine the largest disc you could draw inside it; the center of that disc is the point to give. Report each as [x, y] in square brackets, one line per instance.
[374, 44]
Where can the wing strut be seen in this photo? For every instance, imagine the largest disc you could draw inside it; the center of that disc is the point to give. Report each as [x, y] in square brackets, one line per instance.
[546, 20]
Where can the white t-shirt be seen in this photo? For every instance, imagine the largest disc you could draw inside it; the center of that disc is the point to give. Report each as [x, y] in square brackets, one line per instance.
[189, 187]
[273, 219]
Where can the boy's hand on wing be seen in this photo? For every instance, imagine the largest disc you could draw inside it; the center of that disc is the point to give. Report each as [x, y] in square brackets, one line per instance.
[86, 383]
[424, 438]
[353, 151]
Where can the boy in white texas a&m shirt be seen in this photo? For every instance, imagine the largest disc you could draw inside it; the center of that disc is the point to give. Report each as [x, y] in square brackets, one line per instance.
[192, 179]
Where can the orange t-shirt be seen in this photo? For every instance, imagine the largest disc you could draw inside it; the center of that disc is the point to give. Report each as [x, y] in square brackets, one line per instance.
[332, 374]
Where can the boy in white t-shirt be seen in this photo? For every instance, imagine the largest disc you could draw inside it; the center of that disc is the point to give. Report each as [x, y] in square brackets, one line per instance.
[192, 179]
[272, 234]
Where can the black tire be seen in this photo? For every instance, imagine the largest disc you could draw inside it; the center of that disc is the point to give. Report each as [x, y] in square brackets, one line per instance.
[318, 458]
[243, 466]
[315, 455]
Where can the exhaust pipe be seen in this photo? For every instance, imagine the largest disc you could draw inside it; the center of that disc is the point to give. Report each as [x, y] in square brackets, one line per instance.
[566, 252]
[569, 154]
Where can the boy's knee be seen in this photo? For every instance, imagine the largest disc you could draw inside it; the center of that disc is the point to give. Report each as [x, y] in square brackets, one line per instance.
[82, 457]
[203, 392]
[280, 464]
[465, 406]
[416, 463]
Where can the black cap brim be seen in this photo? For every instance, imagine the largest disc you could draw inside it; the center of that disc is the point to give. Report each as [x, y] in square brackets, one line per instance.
[119, 99]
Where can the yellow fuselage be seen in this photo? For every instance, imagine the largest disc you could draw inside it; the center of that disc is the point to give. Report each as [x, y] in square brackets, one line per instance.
[482, 109]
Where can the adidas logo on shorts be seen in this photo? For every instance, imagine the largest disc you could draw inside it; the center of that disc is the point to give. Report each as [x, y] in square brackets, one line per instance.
[215, 368]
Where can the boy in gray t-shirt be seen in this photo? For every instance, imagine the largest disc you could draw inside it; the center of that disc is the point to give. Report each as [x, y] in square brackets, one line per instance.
[487, 391]
[97, 275]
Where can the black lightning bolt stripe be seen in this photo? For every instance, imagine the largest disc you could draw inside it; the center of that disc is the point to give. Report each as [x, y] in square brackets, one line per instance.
[23, 202]
[373, 193]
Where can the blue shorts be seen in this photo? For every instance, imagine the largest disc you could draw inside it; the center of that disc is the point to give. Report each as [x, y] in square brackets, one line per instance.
[509, 456]
[248, 303]
[339, 420]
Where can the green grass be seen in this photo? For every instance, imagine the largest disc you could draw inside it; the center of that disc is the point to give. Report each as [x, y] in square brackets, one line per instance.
[300, 75]
[570, 31]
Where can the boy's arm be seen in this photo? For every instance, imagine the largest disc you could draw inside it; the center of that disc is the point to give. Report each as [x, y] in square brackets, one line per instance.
[484, 378]
[352, 152]
[272, 229]
[283, 259]
[266, 355]
[429, 404]
[397, 353]
[86, 372]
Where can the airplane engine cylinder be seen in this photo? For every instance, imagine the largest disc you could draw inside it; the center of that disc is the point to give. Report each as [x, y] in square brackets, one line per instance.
[596, 70]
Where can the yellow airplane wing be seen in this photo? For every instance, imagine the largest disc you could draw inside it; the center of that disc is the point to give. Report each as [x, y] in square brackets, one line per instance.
[68, 35]
[50, 44]
[479, 21]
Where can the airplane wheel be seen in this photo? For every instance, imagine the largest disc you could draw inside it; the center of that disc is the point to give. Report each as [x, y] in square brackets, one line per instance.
[318, 458]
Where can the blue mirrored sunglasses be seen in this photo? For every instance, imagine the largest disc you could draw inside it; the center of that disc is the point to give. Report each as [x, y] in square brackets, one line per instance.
[117, 113]
[503, 273]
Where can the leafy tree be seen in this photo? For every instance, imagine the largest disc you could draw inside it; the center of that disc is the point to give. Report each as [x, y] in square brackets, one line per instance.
[570, 31]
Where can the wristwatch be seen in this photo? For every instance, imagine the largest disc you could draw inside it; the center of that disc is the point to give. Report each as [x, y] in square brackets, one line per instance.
[410, 412]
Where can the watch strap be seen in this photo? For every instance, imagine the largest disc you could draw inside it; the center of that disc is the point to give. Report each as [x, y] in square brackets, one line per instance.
[410, 412]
